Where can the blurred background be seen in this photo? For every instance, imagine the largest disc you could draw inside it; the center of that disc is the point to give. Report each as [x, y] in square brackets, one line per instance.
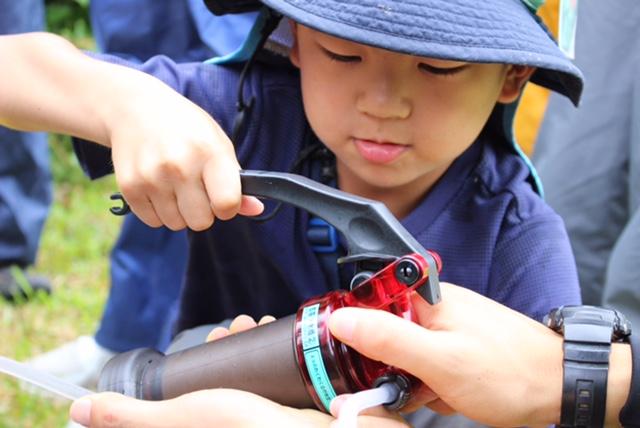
[74, 250]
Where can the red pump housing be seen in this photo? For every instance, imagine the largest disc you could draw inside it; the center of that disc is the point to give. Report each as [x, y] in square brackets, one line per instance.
[329, 367]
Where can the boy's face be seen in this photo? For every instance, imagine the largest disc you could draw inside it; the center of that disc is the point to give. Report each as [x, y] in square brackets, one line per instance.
[395, 120]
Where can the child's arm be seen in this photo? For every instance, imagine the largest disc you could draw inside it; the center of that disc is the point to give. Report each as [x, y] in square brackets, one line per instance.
[172, 161]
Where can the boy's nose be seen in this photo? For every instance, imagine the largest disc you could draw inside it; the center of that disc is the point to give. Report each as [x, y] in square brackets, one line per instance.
[384, 99]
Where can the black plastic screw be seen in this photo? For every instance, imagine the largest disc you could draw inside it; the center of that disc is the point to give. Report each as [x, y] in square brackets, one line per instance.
[407, 272]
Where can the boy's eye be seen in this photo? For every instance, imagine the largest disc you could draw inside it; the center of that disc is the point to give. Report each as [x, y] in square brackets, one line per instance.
[341, 58]
[441, 71]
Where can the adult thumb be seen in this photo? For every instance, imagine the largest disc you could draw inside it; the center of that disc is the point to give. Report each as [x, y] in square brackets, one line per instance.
[385, 337]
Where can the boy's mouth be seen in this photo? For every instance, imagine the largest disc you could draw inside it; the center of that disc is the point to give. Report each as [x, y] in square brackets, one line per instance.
[379, 152]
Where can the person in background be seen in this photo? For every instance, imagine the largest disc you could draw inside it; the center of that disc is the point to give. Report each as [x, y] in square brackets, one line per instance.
[147, 264]
[589, 158]
[25, 179]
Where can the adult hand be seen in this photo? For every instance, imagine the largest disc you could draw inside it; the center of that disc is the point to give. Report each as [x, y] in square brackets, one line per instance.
[210, 408]
[480, 358]
[174, 164]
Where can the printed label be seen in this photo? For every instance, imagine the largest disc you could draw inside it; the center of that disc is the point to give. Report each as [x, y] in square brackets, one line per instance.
[313, 356]
[319, 377]
[310, 327]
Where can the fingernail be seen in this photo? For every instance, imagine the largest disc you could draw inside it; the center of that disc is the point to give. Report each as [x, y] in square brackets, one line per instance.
[342, 324]
[80, 412]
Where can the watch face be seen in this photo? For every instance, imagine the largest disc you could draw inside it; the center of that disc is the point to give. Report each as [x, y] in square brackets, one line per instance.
[589, 315]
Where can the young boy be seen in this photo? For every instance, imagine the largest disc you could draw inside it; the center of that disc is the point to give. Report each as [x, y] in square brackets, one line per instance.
[428, 134]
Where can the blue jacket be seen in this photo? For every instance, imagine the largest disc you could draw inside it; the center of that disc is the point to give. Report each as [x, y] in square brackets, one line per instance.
[494, 233]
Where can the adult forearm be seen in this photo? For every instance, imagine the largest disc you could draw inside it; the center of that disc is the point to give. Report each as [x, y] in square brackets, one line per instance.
[49, 85]
[173, 162]
[618, 382]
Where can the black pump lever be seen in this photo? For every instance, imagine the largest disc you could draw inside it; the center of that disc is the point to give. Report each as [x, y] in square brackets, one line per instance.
[371, 231]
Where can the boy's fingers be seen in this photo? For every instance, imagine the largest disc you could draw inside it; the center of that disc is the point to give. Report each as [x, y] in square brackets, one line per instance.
[242, 323]
[396, 341]
[217, 333]
[266, 319]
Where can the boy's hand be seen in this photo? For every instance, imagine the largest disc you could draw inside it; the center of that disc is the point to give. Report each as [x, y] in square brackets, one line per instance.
[240, 323]
[174, 164]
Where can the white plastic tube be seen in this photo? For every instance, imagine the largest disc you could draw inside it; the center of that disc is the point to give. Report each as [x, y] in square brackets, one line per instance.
[43, 380]
[356, 403]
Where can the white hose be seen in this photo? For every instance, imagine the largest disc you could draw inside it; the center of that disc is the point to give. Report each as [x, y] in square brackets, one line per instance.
[356, 403]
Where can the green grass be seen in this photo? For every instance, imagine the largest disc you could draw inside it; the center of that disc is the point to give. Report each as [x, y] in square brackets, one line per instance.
[74, 254]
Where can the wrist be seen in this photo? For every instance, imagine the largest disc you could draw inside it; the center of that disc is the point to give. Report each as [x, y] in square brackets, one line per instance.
[549, 380]
[128, 93]
[588, 335]
[619, 381]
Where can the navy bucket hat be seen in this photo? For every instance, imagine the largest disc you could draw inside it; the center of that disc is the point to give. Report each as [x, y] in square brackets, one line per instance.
[494, 31]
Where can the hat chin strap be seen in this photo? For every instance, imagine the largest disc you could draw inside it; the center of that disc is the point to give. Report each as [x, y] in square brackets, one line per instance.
[266, 22]
[505, 114]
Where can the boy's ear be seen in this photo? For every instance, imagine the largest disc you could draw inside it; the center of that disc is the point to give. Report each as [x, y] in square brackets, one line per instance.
[517, 76]
[294, 52]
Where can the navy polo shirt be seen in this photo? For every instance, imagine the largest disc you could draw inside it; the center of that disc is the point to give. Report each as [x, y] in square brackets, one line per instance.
[494, 233]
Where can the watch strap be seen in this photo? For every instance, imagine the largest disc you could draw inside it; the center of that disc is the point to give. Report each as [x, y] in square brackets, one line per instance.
[630, 413]
[584, 390]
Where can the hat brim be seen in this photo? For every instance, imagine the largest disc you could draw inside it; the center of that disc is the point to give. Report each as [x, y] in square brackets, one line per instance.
[497, 31]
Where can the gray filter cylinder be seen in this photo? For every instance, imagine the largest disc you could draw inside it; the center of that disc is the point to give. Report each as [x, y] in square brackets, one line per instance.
[261, 360]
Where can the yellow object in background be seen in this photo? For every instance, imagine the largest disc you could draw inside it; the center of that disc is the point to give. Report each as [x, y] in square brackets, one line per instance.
[534, 99]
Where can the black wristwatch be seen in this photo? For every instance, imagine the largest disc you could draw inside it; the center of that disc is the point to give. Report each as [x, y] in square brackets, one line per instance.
[588, 333]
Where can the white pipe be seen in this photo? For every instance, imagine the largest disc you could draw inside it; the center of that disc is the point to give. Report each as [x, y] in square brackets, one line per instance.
[356, 403]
